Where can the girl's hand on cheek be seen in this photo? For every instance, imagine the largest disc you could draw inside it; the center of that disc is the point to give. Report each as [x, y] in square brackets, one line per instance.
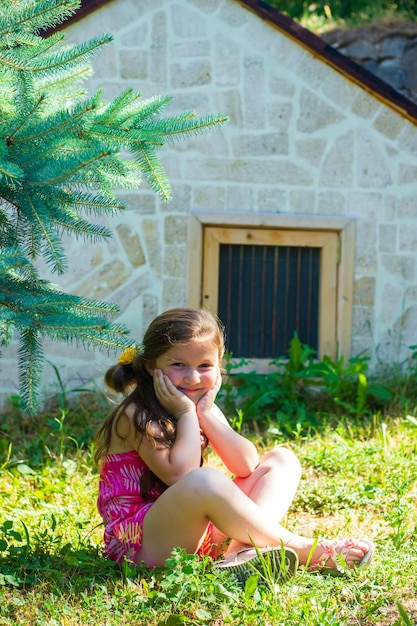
[206, 402]
[173, 401]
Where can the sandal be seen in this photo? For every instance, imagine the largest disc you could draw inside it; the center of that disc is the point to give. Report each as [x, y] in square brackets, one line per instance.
[338, 550]
[279, 563]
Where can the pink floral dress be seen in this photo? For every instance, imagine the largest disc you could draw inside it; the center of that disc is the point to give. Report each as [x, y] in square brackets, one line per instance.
[123, 508]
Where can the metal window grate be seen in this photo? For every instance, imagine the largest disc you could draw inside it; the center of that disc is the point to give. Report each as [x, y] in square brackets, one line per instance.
[266, 293]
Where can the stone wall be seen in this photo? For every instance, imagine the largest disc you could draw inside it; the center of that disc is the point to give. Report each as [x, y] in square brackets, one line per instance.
[388, 50]
[302, 140]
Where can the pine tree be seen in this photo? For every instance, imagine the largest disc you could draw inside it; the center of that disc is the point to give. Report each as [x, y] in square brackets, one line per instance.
[62, 154]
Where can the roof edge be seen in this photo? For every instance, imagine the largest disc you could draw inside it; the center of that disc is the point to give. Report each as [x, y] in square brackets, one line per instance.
[86, 7]
[340, 62]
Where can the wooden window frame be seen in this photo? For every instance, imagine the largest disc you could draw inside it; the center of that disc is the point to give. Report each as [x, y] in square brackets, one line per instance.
[333, 235]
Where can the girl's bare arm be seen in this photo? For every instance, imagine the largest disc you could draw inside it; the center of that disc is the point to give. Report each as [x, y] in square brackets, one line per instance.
[170, 464]
[237, 453]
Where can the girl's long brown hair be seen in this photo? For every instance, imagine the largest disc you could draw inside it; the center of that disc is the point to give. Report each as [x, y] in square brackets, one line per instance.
[133, 380]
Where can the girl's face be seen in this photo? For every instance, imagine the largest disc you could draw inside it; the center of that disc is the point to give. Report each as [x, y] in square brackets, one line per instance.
[192, 367]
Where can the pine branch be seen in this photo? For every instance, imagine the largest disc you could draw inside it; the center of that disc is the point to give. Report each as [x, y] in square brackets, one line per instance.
[34, 16]
[173, 129]
[42, 236]
[30, 365]
[153, 171]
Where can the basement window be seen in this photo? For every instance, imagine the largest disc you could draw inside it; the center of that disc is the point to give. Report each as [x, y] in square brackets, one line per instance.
[270, 276]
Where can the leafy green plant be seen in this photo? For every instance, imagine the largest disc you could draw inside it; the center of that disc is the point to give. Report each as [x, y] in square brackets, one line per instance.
[300, 389]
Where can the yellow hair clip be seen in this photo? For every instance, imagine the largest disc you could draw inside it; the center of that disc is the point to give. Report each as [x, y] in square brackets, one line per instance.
[128, 355]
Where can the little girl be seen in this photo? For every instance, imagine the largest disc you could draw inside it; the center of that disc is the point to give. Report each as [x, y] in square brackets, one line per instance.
[156, 495]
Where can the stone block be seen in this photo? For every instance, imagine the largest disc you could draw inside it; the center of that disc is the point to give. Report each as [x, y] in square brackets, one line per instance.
[254, 92]
[240, 198]
[364, 291]
[232, 16]
[130, 291]
[175, 258]
[181, 199]
[175, 229]
[260, 145]
[273, 200]
[100, 284]
[364, 206]
[141, 202]
[136, 37]
[339, 91]
[336, 169]
[407, 141]
[401, 265]
[407, 208]
[204, 6]
[311, 150]
[187, 23]
[229, 102]
[316, 114]
[387, 238]
[312, 71]
[373, 168]
[303, 202]
[227, 65]
[133, 64]
[365, 105]
[190, 49]
[407, 237]
[280, 86]
[131, 245]
[209, 197]
[149, 310]
[363, 322]
[173, 293]
[389, 123]
[331, 203]
[366, 260]
[153, 243]
[185, 75]
[407, 174]
[280, 115]
[391, 306]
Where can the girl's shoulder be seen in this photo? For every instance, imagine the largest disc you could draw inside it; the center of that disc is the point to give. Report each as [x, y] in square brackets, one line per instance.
[124, 436]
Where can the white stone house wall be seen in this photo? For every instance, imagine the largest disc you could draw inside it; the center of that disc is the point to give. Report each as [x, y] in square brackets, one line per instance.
[303, 139]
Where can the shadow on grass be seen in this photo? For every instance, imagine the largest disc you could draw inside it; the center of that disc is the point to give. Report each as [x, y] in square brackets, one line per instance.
[75, 569]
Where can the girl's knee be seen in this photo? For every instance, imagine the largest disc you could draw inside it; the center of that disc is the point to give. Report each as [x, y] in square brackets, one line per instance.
[204, 480]
[281, 457]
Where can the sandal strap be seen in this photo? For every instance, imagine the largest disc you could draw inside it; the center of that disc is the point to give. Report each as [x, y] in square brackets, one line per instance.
[330, 551]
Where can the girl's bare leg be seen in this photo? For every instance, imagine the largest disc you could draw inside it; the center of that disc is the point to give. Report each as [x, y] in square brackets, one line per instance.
[272, 486]
[180, 516]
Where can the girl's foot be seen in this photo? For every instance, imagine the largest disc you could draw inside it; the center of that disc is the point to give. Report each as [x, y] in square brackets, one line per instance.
[278, 563]
[334, 556]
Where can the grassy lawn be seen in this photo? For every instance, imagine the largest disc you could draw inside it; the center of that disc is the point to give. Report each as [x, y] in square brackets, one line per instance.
[359, 479]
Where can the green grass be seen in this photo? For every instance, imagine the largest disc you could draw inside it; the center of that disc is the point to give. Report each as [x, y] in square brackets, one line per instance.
[360, 478]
